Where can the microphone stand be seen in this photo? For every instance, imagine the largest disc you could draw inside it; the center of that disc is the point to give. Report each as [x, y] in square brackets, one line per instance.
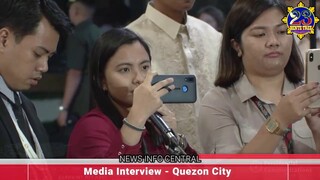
[171, 138]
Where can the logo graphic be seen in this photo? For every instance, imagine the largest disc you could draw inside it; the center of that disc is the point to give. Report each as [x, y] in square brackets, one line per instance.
[300, 20]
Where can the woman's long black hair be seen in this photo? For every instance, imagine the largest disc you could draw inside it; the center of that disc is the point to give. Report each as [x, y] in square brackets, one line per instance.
[105, 47]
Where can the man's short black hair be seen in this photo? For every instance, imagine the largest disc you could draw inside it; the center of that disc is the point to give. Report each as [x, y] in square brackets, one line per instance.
[23, 16]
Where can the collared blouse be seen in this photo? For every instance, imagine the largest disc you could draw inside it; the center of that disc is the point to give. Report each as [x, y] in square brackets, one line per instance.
[229, 119]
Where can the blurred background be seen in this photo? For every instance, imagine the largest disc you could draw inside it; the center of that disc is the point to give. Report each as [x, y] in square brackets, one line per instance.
[109, 13]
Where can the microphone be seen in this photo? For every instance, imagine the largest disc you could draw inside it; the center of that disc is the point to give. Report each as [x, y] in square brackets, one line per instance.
[166, 130]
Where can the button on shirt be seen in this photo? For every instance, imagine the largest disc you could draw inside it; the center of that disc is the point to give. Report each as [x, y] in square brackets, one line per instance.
[190, 48]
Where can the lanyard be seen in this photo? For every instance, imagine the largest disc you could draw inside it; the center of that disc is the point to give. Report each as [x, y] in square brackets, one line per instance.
[27, 146]
[30, 152]
[261, 107]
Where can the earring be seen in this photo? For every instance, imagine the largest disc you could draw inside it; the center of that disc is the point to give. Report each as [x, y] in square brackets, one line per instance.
[239, 53]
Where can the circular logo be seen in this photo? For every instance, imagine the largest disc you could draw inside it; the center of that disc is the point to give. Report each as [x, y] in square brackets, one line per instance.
[300, 20]
[184, 88]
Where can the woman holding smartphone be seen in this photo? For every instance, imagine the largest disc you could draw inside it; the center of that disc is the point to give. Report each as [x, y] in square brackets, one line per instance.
[259, 104]
[121, 83]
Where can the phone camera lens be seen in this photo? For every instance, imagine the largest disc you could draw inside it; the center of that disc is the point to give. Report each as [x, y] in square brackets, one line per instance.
[311, 57]
[189, 79]
[184, 88]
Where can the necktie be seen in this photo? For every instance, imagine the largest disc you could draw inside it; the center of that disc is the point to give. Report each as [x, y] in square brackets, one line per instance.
[22, 121]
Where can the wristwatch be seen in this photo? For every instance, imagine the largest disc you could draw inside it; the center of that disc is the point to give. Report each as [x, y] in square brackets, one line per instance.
[273, 127]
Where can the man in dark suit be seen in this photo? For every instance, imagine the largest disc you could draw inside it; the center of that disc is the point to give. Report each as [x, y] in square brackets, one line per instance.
[29, 33]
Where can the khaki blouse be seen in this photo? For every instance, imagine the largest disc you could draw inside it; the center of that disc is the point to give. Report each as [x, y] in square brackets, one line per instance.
[229, 119]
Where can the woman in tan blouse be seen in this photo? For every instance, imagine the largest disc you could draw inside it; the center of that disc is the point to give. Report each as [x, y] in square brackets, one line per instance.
[259, 104]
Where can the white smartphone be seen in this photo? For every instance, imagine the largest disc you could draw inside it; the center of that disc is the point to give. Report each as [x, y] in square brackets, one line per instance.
[312, 70]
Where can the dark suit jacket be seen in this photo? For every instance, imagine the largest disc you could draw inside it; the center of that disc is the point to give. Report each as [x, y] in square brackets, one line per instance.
[10, 144]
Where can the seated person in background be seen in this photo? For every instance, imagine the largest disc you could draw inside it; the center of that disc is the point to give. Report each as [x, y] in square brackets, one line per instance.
[212, 16]
[259, 104]
[121, 83]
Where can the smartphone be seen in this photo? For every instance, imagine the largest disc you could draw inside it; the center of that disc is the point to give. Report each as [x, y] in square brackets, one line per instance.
[312, 70]
[185, 88]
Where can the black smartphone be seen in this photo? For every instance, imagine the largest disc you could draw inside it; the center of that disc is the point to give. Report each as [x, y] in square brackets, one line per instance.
[185, 88]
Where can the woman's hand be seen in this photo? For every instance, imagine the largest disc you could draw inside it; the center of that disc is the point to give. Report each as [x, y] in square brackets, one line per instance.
[313, 120]
[146, 101]
[146, 97]
[168, 116]
[294, 106]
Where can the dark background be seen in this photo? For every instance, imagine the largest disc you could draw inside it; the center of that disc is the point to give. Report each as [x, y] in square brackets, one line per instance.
[118, 13]
[115, 13]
